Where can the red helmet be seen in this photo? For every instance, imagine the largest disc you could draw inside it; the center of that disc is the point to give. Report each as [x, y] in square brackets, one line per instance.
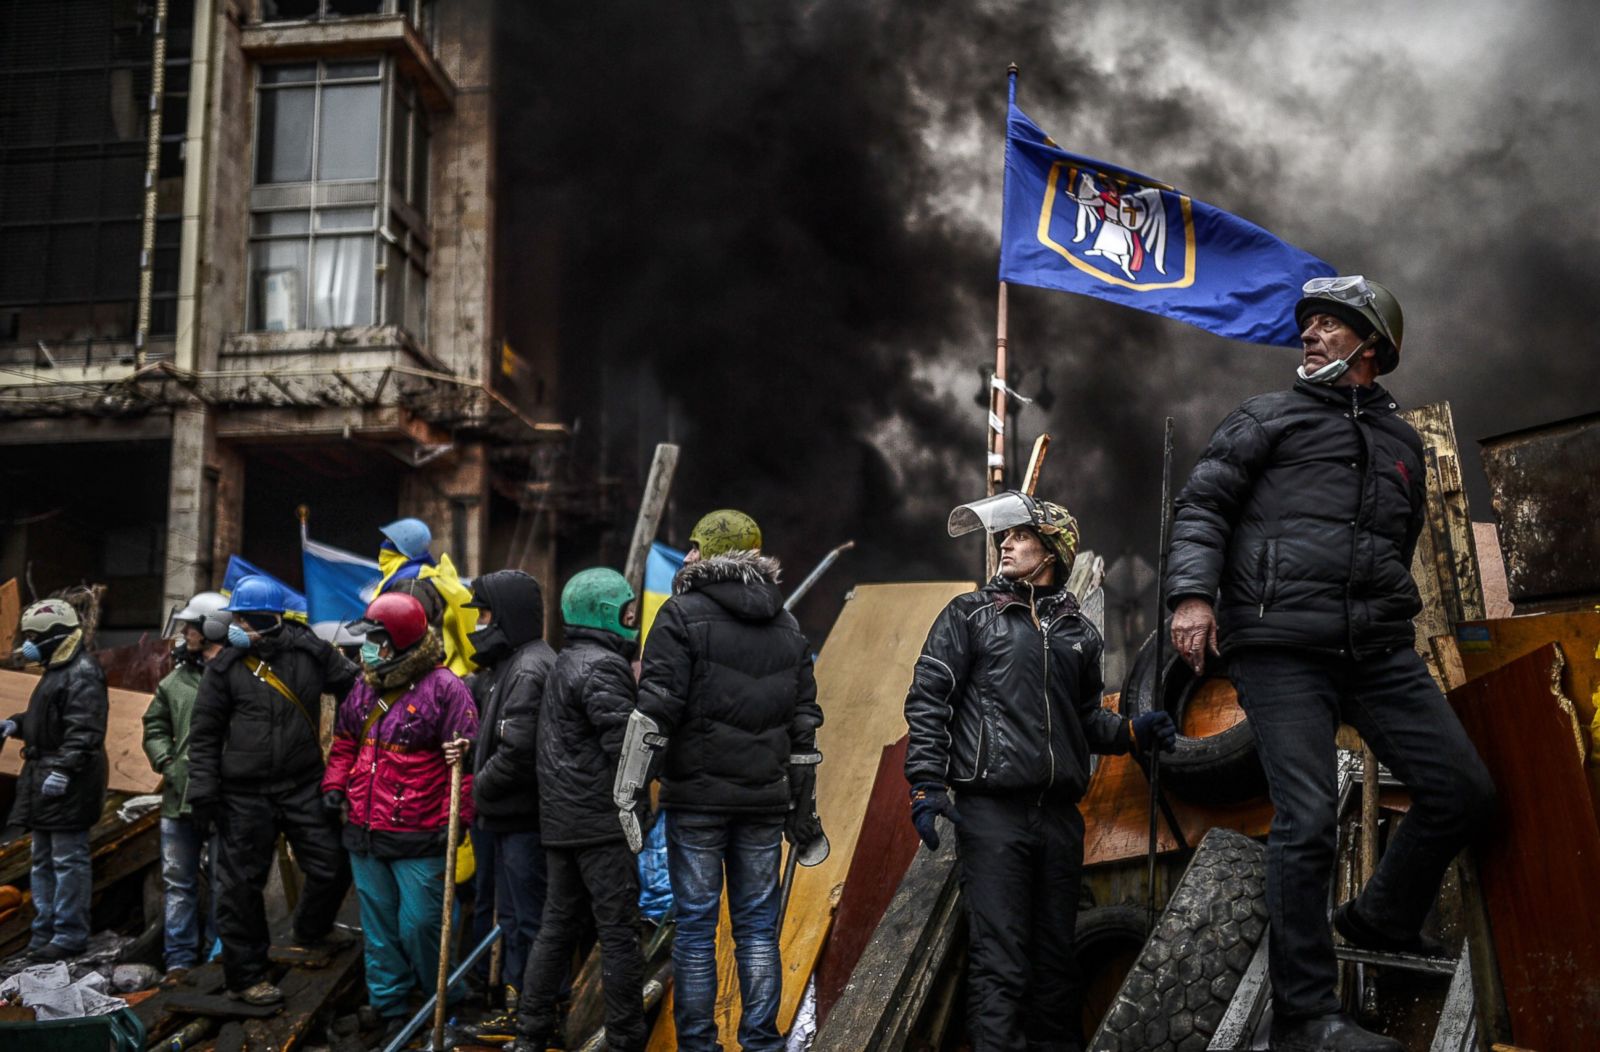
[398, 615]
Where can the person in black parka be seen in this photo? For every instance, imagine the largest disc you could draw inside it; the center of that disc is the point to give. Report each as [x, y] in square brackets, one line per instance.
[1291, 557]
[62, 787]
[255, 770]
[513, 662]
[582, 722]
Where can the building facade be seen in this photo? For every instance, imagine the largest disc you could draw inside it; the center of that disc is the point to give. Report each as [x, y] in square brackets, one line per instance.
[261, 281]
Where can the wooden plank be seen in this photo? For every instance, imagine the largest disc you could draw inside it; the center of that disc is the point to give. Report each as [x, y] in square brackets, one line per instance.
[1541, 856]
[10, 614]
[863, 673]
[872, 879]
[219, 1007]
[1492, 569]
[900, 957]
[129, 769]
[1116, 807]
[651, 506]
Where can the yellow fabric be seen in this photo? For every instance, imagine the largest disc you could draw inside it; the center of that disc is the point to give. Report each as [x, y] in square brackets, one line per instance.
[459, 622]
[466, 861]
[649, 607]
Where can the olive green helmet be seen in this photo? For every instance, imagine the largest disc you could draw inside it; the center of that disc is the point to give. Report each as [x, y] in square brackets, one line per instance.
[1059, 531]
[596, 599]
[1365, 306]
[725, 530]
[1004, 511]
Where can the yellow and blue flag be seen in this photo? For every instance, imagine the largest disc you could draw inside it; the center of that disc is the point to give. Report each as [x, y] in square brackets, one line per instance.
[1075, 224]
[660, 568]
[238, 569]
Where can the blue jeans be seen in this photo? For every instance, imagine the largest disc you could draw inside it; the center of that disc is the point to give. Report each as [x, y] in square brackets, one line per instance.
[1295, 702]
[62, 884]
[402, 903]
[750, 848]
[188, 935]
[511, 867]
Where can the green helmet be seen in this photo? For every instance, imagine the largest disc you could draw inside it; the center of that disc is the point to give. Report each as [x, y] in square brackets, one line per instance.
[1365, 306]
[596, 599]
[723, 531]
[1059, 531]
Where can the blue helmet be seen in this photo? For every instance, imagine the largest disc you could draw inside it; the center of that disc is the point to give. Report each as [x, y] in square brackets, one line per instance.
[258, 594]
[410, 537]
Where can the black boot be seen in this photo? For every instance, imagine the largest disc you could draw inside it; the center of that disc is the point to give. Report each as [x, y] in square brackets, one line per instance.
[1334, 1032]
[1356, 931]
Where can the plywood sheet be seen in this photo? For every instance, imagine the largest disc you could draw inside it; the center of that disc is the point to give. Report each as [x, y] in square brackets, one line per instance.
[1116, 811]
[863, 673]
[1540, 861]
[873, 877]
[130, 771]
[10, 614]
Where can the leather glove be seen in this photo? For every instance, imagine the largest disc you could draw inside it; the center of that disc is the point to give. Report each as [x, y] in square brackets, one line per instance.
[928, 800]
[333, 802]
[1154, 728]
[54, 784]
[802, 826]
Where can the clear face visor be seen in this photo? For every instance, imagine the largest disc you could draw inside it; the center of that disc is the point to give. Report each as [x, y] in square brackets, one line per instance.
[995, 514]
[1351, 290]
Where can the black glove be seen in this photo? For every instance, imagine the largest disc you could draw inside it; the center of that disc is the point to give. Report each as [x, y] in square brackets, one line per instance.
[802, 825]
[203, 813]
[929, 799]
[333, 802]
[1156, 727]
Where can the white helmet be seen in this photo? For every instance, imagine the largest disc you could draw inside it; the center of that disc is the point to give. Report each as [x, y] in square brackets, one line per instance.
[207, 611]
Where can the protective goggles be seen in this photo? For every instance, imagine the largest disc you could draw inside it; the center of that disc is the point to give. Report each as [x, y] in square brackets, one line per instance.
[1351, 290]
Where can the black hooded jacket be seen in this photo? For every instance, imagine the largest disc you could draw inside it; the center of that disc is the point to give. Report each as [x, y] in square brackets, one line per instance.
[507, 689]
[1006, 696]
[245, 735]
[727, 675]
[582, 721]
[64, 729]
[1303, 512]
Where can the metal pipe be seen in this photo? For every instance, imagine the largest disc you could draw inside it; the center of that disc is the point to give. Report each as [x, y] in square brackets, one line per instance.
[415, 1022]
[152, 172]
[812, 578]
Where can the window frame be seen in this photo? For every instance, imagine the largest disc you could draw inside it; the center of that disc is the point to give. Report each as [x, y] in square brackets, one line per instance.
[398, 228]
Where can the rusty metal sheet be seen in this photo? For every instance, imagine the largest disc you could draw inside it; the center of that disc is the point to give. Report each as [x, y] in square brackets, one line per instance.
[1542, 486]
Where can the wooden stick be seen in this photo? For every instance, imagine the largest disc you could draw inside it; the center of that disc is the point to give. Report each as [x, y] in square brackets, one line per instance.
[995, 469]
[651, 507]
[452, 841]
[1030, 479]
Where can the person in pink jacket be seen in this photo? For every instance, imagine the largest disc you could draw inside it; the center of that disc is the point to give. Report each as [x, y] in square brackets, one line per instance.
[389, 775]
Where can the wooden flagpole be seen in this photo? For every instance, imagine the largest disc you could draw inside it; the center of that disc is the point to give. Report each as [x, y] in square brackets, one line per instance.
[996, 457]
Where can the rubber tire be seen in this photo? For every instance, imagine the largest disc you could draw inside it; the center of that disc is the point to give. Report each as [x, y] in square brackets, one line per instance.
[1218, 769]
[1107, 939]
[1177, 992]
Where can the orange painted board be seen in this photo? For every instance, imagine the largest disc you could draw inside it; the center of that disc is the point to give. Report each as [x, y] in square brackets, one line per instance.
[129, 772]
[1116, 813]
[863, 672]
[1539, 860]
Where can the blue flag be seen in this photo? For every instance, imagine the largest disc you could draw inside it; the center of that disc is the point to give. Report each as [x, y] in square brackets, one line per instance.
[339, 584]
[239, 568]
[1079, 225]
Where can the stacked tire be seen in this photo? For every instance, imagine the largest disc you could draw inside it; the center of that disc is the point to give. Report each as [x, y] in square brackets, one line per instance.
[1177, 991]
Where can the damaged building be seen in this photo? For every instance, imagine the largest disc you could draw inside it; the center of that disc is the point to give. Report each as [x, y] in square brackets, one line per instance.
[254, 263]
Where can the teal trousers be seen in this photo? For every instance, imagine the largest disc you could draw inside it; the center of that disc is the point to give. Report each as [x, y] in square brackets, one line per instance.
[401, 904]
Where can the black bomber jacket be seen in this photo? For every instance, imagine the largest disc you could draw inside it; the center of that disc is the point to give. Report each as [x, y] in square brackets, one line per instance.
[1006, 696]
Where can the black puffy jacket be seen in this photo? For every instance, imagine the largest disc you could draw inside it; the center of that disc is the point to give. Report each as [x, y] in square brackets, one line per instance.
[1004, 702]
[582, 721]
[727, 674]
[505, 758]
[1303, 512]
[245, 736]
[64, 729]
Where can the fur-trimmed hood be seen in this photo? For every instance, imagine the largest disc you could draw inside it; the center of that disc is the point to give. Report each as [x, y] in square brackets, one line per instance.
[408, 667]
[745, 583]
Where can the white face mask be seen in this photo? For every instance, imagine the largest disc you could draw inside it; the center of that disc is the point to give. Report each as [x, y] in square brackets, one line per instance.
[1327, 374]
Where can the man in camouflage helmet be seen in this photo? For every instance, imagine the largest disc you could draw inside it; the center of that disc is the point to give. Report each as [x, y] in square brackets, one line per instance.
[1291, 559]
[728, 703]
[1004, 710]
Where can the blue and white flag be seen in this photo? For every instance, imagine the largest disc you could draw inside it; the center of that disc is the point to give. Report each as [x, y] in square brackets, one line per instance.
[1079, 225]
[339, 584]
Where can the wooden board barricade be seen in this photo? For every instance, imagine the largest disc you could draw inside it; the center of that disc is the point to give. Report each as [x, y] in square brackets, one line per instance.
[1540, 862]
[10, 614]
[863, 672]
[129, 771]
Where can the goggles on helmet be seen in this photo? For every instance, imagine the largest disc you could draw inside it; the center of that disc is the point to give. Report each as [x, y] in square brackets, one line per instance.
[1353, 291]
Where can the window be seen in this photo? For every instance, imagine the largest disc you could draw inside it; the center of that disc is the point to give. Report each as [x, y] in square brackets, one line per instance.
[297, 10]
[338, 232]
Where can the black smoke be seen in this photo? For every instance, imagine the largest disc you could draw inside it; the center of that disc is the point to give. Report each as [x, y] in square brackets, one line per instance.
[769, 232]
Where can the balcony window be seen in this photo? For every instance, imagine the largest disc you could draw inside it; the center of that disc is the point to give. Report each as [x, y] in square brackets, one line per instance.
[338, 232]
[300, 10]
